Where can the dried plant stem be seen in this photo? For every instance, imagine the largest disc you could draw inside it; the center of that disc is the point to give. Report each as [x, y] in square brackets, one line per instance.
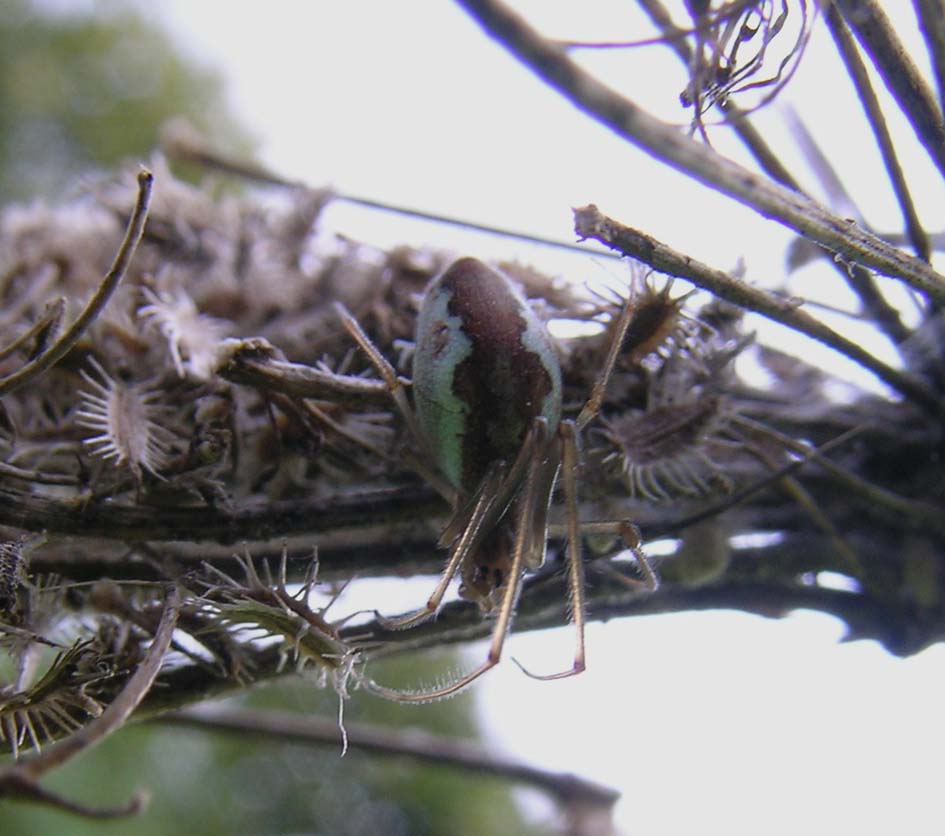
[253, 521]
[253, 363]
[857, 70]
[419, 745]
[51, 317]
[931, 14]
[21, 777]
[589, 222]
[99, 299]
[666, 143]
[875, 32]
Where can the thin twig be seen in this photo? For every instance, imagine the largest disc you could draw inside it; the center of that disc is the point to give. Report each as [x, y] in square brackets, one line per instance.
[50, 318]
[420, 745]
[931, 14]
[254, 363]
[874, 114]
[99, 299]
[664, 142]
[119, 710]
[878, 37]
[591, 223]
[860, 281]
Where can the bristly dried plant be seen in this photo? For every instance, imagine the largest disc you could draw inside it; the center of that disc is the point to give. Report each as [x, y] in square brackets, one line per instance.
[219, 385]
[126, 418]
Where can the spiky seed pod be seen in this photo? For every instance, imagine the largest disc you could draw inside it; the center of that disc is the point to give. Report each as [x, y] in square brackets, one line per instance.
[125, 418]
[658, 324]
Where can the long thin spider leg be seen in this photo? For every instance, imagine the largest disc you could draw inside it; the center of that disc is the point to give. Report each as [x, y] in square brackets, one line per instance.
[593, 405]
[506, 609]
[569, 456]
[485, 499]
[395, 385]
[633, 540]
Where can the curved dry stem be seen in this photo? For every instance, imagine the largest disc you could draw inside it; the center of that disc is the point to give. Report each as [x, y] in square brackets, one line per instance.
[20, 779]
[94, 306]
[119, 710]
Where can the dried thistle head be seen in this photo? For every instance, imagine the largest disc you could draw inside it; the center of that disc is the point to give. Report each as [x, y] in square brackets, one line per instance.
[125, 416]
[665, 451]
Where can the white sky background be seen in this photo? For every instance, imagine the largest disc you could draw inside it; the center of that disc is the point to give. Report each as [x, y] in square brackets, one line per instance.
[708, 723]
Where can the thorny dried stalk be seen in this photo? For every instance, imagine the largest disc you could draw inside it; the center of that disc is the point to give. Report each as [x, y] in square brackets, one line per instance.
[217, 398]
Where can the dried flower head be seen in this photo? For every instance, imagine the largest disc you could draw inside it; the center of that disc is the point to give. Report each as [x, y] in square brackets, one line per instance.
[125, 418]
[193, 338]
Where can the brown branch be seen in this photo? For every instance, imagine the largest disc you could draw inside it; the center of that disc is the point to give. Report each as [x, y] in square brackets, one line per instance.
[589, 222]
[254, 362]
[666, 143]
[434, 749]
[256, 520]
[99, 299]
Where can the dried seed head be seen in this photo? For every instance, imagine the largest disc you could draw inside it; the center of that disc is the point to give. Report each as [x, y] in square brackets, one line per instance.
[657, 320]
[665, 451]
[193, 338]
[124, 417]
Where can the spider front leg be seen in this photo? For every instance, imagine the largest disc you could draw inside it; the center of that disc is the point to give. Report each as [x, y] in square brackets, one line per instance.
[396, 386]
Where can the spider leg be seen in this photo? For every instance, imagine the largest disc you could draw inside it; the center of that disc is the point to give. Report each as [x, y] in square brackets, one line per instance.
[593, 405]
[506, 609]
[396, 387]
[567, 433]
[633, 540]
[484, 500]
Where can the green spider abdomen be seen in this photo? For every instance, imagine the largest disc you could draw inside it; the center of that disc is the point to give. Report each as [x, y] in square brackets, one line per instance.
[483, 370]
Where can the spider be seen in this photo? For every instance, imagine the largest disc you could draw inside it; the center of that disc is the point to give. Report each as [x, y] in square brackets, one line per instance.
[487, 414]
